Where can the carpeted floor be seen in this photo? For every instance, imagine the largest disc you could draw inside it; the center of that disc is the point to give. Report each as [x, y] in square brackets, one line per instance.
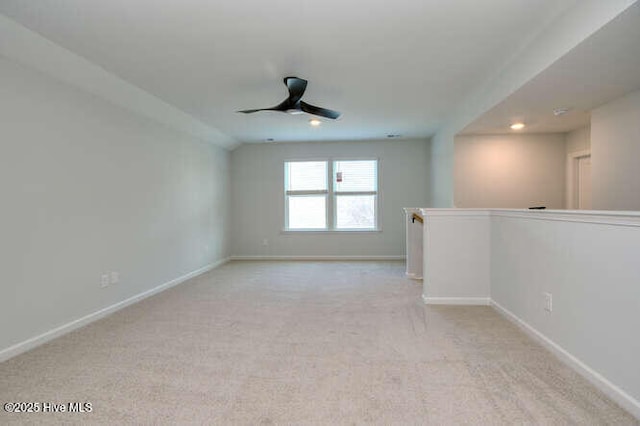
[302, 343]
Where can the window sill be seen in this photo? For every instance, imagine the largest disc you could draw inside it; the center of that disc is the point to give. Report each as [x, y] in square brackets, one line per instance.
[330, 231]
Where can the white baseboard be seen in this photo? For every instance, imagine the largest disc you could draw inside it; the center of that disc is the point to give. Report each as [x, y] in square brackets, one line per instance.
[484, 301]
[312, 258]
[43, 338]
[612, 391]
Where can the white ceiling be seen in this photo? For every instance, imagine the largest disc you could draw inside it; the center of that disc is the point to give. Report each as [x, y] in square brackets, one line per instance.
[603, 67]
[390, 67]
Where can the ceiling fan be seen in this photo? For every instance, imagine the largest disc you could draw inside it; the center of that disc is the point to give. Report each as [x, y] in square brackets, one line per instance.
[294, 105]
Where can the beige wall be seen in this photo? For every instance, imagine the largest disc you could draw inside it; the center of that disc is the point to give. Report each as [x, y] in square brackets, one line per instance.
[89, 188]
[615, 149]
[257, 190]
[510, 171]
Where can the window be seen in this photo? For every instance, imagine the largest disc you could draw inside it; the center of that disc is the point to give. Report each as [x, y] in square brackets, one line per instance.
[356, 193]
[306, 189]
[348, 202]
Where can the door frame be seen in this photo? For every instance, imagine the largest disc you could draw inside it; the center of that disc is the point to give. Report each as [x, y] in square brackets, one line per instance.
[572, 177]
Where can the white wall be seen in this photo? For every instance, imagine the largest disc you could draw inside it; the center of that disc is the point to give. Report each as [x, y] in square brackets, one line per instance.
[510, 171]
[257, 188]
[569, 28]
[578, 139]
[87, 188]
[441, 170]
[590, 266]
[615, 154]
[586, 260]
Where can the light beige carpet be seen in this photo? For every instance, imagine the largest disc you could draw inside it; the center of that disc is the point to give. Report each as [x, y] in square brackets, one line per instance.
[302, 343]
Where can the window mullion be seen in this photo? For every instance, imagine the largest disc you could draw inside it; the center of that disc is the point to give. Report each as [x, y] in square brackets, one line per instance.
[330, 202]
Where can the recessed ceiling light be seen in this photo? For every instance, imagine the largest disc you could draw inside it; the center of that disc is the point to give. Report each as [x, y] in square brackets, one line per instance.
[517, 126]
[315, 122]
[560, 111]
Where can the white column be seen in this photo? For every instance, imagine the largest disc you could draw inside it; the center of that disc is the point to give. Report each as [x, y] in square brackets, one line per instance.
[456, 256]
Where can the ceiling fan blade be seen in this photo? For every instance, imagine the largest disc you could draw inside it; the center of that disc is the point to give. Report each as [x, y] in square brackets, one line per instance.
[250, 111]
[322, 112]
[296, 87]
[294, 105]
[282, 106]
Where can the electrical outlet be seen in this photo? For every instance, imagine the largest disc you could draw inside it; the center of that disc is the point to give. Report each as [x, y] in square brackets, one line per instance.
[265, 242]
[104, 280]
[115, 277]
[548, 302]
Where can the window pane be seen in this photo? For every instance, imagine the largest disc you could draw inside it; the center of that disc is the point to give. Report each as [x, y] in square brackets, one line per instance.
[355, 211]
[307, 212]
[355, 176]
[306, 175]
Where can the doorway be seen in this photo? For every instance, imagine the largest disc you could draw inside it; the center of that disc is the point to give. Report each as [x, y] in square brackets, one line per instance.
[579, 181]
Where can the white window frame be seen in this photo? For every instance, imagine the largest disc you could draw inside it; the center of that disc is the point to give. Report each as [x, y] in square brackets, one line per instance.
[330, 197]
